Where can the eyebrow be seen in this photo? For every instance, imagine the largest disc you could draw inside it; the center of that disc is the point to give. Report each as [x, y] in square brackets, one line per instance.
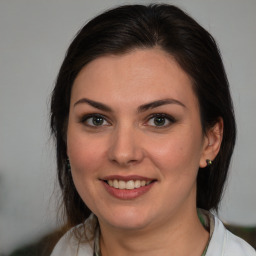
[140, 109]
[94, 104]
[159, 103]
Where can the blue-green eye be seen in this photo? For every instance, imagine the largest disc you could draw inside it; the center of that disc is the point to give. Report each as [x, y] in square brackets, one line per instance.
[95, 120]
[160, 120]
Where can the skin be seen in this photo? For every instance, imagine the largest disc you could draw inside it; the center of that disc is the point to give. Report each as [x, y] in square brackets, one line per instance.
[163, 221]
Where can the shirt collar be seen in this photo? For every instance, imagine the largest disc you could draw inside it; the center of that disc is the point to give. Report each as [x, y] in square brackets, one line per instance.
[91, 224]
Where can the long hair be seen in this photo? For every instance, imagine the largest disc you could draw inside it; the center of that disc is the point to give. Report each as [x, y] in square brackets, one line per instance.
[129, 27]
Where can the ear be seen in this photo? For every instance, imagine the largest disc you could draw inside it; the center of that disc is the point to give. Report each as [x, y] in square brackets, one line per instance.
[212, 143]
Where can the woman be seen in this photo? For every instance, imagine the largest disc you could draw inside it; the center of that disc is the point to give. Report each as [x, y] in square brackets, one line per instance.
[145, 130]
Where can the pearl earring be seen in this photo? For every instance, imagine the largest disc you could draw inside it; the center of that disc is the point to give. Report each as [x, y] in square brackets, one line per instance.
[209, 162]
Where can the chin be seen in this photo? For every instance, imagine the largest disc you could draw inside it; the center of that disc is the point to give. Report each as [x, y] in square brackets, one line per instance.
[129, 219]
[129, 223]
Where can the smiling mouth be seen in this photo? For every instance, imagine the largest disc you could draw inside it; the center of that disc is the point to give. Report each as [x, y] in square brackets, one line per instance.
[130, 184]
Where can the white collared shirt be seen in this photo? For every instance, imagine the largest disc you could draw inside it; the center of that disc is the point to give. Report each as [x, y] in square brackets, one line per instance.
[222, 242]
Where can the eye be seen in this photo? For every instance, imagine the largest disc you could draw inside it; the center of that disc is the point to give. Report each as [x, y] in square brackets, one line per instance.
[95, 120]
[160, 120]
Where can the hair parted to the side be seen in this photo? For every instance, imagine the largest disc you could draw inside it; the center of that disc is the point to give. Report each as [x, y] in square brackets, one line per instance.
[129, 27]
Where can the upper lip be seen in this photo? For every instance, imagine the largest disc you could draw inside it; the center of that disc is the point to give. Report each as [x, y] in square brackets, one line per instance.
[126, 178]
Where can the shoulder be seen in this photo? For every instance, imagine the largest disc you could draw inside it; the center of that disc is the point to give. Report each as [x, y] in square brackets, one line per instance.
[69, 245]
[225, 243]
[235, 244]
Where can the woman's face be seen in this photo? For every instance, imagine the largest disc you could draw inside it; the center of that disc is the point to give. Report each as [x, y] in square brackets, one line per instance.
[134, 139]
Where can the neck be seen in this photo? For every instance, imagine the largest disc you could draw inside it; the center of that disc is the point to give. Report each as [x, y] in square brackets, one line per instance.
[181, 235]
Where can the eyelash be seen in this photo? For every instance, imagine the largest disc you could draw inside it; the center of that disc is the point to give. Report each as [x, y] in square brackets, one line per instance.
[85, 119]
[167, 117]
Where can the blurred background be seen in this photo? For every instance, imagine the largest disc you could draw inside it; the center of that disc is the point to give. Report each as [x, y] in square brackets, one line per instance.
[34, 36]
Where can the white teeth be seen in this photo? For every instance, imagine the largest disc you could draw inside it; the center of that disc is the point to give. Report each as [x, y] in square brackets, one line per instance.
[121, 184]
[131, 184]
[115, 183]
[137, 183]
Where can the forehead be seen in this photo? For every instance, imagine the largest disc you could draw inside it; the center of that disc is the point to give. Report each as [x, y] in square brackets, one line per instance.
[140, 75]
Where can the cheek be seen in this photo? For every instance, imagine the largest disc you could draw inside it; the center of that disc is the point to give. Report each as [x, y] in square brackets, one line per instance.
[84, 154]
[178, 155]
[86, 157]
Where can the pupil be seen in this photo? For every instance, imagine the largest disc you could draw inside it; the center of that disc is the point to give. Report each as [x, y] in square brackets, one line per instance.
[97, 120]
[159, 121]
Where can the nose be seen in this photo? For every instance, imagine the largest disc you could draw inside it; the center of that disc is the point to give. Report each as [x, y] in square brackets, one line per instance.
[126, 146]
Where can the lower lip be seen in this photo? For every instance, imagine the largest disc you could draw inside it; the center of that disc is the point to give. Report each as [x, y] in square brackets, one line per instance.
[127, 194]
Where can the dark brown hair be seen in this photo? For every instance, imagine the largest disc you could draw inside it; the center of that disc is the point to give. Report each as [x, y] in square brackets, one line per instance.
[129, 27]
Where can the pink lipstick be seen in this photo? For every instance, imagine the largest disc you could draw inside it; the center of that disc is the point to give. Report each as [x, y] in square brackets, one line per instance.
[127, 187]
